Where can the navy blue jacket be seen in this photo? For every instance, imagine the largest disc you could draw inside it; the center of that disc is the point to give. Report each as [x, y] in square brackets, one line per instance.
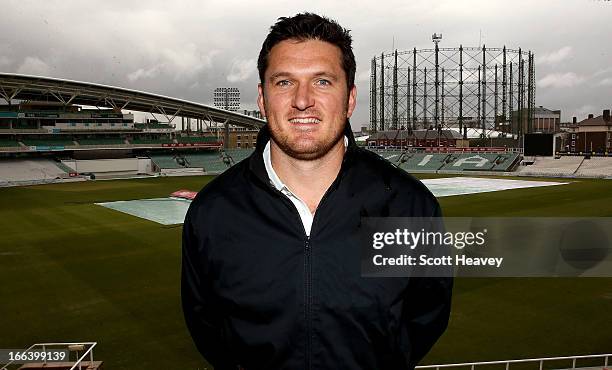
[258, 293]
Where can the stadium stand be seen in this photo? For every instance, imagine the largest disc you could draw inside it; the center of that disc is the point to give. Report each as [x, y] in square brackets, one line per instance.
[422, 162]
[141, 141]
[48, 141]
[152, 126]
[23, 125]
[551, 166]
[101, 141]
[506, 162]
[390, 155]
[165, 161]
[8, 143]
[209, 162]
[480, 162]
[29, 171]
[239, 154]
[63, 167]
[595, 167]
[441, 162]
[468, 162]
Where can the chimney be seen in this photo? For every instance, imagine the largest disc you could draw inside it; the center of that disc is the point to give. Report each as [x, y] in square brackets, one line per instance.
[574, 120]
[590, 115]
[606, 115]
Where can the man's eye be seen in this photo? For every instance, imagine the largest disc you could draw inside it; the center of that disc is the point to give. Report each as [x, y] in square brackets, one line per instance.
[283, 83]
[323, 82]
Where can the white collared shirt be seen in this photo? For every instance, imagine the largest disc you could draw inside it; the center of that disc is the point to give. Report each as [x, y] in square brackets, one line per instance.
[305, 215]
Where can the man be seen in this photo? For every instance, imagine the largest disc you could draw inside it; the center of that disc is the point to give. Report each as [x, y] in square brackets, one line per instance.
[271, 258]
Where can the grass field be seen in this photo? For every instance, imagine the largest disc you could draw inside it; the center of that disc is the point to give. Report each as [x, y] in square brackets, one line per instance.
[74, 271]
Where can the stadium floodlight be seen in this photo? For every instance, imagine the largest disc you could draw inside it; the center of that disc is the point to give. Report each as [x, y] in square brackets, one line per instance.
[436, 38]
[227, 98]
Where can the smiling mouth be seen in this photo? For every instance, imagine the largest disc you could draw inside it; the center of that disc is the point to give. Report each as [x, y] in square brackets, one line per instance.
[305, 120]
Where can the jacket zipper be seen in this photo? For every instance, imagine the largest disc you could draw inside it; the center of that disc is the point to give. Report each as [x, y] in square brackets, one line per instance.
[308, 301]
[307, 277]
[308, 281]
[307, 267]
[308, 296]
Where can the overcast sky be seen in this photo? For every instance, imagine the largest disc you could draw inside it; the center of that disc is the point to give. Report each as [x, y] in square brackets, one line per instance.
[185, 49]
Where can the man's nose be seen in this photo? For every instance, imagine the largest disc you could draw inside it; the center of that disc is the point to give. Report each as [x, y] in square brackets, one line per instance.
[303, 97]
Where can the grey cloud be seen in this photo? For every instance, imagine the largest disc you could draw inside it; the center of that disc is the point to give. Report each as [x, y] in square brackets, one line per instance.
[556, 56]
[560, 80]
[187, 48]
[34, 66]
[242, 69]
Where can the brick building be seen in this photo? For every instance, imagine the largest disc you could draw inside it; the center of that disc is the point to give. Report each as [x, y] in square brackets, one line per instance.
[591, 135]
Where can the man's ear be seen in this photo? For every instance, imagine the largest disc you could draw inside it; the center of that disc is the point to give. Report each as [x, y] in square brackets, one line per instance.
[260, 100]
[352, 101]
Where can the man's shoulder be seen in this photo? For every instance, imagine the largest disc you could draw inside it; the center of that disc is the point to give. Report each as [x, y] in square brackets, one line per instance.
[376, 171]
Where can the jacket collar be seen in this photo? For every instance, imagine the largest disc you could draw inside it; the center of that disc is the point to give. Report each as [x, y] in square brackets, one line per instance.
[256, 163]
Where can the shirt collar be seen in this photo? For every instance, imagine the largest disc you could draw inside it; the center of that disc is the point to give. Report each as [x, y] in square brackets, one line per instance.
[274, 179]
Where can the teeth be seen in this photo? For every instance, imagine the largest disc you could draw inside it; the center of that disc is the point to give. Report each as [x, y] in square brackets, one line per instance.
[304, 120]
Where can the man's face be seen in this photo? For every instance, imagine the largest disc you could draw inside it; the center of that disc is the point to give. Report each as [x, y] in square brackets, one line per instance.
[305, 97]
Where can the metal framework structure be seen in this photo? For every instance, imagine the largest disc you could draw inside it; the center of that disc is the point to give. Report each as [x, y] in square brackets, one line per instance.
[24, 87]
[464, 87]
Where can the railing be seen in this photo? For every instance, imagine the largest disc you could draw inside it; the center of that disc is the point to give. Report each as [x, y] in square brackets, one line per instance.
[507, 363]
[87, 347]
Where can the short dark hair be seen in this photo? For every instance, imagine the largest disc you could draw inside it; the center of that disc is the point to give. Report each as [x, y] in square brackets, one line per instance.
[310, 26]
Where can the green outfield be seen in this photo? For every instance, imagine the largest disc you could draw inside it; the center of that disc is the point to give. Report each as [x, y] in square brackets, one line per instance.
[75, 271]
